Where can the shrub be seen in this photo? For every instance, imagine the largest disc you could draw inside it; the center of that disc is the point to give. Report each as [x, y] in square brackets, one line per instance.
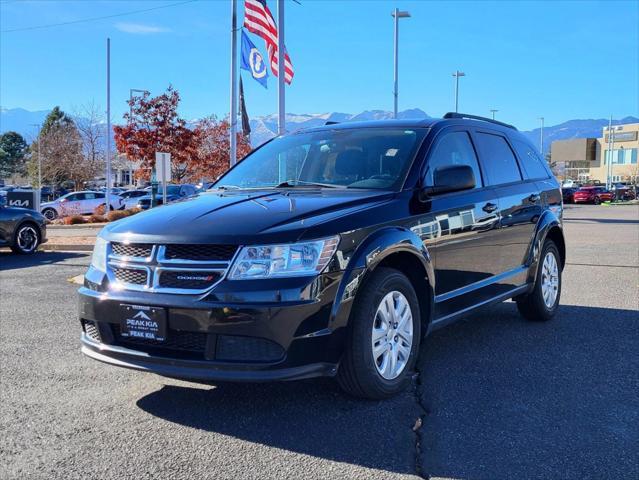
[74, 220]
[134, 210]
[99, 210]
[116, 215]
[97, 219]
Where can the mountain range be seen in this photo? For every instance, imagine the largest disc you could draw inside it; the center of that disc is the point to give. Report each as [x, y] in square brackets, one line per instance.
[263, 128]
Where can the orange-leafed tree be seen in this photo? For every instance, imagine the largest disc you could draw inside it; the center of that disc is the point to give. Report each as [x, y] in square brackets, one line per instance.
[212, 156]
[153, 125]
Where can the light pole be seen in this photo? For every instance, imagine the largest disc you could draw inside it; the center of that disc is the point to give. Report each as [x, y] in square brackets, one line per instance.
[457, 74]
[493, 111]
[39, 157]
[131, 92]
[541, 137]
[397, 14]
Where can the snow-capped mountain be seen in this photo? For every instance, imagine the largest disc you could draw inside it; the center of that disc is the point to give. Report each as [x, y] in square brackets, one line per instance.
[263, 128]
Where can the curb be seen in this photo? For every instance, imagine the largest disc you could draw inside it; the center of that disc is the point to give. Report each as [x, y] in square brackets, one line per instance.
[80, 225]
[65, 248]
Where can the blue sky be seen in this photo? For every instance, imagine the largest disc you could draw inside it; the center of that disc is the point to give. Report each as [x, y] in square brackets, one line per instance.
[562, 60]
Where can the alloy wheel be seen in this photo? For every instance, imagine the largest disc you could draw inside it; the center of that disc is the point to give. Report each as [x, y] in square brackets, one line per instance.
[27, 239]
[550, 280]
[392, 336]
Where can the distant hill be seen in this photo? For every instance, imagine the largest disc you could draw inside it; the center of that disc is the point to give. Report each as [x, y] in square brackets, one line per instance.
[264, 128]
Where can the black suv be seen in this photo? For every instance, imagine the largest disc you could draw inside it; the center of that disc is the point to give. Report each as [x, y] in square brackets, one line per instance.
[331, 251]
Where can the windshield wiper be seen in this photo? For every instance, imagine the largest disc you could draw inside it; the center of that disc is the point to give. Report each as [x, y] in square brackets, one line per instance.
[225, 187]
[302, 183]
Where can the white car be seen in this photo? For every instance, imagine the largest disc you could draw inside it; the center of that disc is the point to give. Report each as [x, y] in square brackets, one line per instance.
[78, 203]
[130, 197]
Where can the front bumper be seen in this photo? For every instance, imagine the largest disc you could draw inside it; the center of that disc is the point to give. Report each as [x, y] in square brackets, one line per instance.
[251, 340]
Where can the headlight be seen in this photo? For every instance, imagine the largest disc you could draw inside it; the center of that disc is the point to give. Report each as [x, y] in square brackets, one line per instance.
[99, 258]
[286, 260]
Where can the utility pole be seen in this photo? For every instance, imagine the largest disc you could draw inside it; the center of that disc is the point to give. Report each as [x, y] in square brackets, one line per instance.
[107, 205]
[457, 74]
[281, 71]
[397, 14]
[39, 157]
[611, 151]
[493, 111]
[233, 112]
[541, 137]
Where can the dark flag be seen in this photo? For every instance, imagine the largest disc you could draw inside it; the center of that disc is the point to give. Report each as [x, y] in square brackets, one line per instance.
[246, 127]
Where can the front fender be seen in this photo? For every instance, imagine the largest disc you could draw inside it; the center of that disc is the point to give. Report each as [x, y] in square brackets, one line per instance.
[546, 223]
[367, 257]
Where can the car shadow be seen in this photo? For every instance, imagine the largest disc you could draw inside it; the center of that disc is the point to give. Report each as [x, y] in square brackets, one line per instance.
[311, 417]
[507, 398]
[12, 261]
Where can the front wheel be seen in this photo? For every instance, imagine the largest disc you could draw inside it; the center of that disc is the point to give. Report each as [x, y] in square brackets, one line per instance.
[27, 239]
[541, 304]
[597, 200]
[384, 337]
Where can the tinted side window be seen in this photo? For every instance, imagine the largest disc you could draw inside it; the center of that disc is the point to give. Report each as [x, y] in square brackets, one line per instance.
[80, 196]
[454, 148]
[89, 196]
[498, 159]
[533, 164]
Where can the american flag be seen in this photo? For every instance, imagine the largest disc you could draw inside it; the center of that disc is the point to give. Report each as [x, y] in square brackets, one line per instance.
[259, 20]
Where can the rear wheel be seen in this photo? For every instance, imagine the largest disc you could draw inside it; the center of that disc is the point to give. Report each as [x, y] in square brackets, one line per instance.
[50, 213]
[597, 200]
[541, 304]
[27, 239]
[384, 337]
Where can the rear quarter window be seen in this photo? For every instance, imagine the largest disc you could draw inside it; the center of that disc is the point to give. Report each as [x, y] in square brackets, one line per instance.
[534, 166]
[498, 159]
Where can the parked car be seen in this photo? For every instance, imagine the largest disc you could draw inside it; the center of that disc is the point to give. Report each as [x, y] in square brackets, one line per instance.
[568, 194]
[623, 191]
[130, 198]
[594, 195]
[173, 193]
[330, 251]
[21, 229]
[78, 203]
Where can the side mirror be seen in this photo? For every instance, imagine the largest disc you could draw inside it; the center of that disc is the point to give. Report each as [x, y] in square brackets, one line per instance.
[451, 178]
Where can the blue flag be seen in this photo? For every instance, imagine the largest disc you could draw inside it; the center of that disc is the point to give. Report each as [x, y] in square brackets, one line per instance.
[253, 61]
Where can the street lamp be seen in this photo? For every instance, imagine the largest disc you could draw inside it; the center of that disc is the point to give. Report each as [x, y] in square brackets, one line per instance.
[457, 74]
[541, 137]
[397, 14]
[493, 111]
[131, 92]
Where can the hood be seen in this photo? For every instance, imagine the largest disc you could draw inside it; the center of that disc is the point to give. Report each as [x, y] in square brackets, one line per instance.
[248, 217]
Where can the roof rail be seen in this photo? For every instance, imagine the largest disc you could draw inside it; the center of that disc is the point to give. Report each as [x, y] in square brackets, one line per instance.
[330, 122]
[477, 117]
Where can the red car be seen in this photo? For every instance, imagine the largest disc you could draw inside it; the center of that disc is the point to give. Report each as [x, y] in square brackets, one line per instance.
[594, 195]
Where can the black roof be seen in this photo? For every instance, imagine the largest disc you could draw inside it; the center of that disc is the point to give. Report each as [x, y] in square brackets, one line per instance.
[448, 119]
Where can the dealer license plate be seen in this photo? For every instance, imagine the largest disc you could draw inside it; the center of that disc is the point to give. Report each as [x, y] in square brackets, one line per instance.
[139, 321]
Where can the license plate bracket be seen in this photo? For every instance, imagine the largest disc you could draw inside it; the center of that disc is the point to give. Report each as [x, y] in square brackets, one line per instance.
[143, 322]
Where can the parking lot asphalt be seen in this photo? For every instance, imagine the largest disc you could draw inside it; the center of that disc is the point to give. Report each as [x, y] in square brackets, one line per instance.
[498, 397]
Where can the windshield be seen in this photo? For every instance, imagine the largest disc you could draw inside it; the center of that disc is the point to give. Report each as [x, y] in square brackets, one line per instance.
[172, 190]
[376, 158]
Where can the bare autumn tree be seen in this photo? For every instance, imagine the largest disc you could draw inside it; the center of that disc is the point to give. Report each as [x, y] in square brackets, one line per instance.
[89, 121]
[59, 146]
[153, 125]
[211, 158]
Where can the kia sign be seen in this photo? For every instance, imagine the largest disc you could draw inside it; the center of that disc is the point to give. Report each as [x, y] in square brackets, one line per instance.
[24, 199]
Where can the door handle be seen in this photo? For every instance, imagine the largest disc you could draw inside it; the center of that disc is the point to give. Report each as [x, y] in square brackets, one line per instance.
[489, 207]
[534, 198]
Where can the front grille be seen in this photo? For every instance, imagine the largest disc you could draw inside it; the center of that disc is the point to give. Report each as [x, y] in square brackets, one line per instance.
[142, 250]
[130, 275]
[91, 329]
[193, 343]
[247, 349]
[187, 279]
[207, 253]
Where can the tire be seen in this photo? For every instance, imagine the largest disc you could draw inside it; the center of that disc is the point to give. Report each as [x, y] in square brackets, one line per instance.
[26, 239]
[597, 200]
[50, 213]
[359, 372]
[533, 306]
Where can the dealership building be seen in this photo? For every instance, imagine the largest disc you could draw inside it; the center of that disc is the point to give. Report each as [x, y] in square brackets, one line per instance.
[586, 159]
